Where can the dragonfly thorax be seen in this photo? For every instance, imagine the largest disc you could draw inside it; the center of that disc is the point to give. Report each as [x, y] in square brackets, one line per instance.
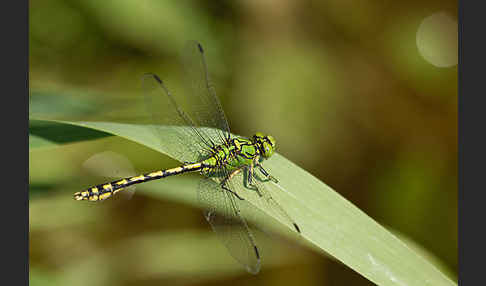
[240, 152]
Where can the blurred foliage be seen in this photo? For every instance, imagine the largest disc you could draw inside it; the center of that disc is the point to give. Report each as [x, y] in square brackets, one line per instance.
[341, 85]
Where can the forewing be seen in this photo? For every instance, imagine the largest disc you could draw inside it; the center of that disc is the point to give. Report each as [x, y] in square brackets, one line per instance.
[186, 143]
[205, 108]
[223, 214]
[197, 110]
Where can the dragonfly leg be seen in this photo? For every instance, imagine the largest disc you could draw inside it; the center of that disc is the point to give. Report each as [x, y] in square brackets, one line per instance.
[256, 162]
[225, 181]
[249, 180]
[266, 174]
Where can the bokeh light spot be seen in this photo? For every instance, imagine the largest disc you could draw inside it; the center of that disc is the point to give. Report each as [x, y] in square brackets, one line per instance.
[437, 40]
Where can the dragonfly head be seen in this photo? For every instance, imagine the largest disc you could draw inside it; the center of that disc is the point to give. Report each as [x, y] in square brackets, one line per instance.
[265, 143]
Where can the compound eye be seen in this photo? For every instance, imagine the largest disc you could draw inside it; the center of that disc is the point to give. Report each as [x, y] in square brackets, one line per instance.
[268, 149]
[272, 140]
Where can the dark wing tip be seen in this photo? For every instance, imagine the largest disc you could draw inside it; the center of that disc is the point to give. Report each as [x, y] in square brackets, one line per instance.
[256, 252]
[200, 48]
[157, 78]
[149, 74]
[296, 227]
[254, 269]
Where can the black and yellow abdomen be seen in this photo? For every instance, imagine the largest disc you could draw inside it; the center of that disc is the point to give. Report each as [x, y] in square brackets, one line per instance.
[105, 191]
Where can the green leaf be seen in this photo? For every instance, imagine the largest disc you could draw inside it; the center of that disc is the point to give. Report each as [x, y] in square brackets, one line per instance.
[327, 220]
[48, 133]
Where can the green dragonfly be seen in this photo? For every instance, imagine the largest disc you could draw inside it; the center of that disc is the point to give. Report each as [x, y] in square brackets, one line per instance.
[203, 141]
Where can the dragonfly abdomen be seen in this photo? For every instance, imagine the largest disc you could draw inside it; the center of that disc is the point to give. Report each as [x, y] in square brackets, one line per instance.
[105, 191]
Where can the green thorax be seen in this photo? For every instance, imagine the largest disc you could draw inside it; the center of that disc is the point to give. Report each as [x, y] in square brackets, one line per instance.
[238, 152]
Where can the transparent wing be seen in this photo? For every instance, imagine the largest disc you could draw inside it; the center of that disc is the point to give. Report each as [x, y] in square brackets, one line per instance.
[187, 143]
[223, 214]
[205, 109]
[262, 200]
[266, 201]
[198, 110]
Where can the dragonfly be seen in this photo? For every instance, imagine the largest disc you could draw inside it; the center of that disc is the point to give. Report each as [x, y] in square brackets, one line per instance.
[232, 166]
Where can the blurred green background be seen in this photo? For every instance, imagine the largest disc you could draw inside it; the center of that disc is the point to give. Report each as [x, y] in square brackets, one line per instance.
[362, 94]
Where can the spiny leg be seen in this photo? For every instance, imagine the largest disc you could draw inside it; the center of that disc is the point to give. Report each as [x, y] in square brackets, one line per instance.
[249, 178]
[225, 181]
[268, 177]
[266, 174]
